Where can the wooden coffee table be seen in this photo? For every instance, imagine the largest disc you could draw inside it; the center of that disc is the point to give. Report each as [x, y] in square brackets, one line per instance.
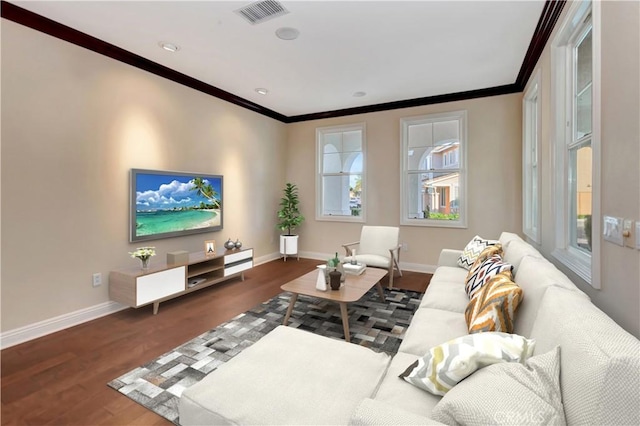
[354, 287]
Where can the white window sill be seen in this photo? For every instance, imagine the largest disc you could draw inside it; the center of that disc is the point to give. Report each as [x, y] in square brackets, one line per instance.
[578, 263]
[350, 219]
[434, 223]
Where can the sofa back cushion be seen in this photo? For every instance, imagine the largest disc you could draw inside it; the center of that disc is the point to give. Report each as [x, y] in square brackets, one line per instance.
[516, 250]
[600, 362]
[534, 276]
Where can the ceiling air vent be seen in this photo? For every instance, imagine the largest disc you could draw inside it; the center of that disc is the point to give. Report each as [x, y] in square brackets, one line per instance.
[261, 11]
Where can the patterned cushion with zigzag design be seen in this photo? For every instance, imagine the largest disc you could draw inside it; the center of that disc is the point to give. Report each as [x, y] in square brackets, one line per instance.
[494, 306]
[473, 250]
[488, 264]
[447, 364]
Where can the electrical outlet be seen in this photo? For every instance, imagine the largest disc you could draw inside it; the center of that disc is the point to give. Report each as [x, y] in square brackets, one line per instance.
[405, 246]
[97, 279]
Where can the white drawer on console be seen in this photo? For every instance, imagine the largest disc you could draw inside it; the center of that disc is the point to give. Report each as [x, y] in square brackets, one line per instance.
[238, 268]
[236, 257]
[160, 284]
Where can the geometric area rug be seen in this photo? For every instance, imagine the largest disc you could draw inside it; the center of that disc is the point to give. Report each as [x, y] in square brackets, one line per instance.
[378, 325]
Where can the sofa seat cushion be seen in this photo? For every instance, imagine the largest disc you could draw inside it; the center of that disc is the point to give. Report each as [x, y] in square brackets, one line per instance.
[289, 376]
[446, 290]
[397, 392]
[507, 394]
[431, 327]
[599, 362]
[534, 276]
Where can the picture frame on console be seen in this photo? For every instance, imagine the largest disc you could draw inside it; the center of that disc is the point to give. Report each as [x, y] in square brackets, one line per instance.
[166, 204]
[210, 247]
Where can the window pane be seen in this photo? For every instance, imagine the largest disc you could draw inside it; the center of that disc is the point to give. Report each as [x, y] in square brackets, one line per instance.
[445, 131]
[583, 113]
[433, 196]
[581, 190]
[583, 82]
[420, 135]
[352, 141]
[332, 163]
[336, 195]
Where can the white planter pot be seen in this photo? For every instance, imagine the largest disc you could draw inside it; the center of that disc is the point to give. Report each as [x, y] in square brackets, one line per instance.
[288, 244]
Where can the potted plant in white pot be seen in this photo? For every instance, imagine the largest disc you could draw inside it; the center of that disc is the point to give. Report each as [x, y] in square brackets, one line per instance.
[289, 218]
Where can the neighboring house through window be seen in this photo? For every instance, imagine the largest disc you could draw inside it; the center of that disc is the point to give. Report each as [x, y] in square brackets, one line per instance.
[433, 177]
[576, 92]
[340, 177]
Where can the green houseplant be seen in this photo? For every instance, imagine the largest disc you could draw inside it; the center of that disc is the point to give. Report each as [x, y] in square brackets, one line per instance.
[289, 218]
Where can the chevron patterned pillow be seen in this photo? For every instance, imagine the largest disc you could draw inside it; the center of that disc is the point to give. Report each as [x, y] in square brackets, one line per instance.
[493, 307]
[473, 250]
[447, 364]
[488, 264]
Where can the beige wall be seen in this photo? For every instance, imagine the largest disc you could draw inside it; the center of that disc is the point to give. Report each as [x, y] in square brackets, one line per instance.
[73, 124]
[619, 296]
[494, 163]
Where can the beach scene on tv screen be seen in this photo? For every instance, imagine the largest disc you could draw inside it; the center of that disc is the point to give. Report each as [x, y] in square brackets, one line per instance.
[170, 203]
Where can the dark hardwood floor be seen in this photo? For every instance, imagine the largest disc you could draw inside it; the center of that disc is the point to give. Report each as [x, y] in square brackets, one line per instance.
[61, 379]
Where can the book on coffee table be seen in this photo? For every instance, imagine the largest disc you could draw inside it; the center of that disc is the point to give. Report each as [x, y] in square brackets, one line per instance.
[356, 269]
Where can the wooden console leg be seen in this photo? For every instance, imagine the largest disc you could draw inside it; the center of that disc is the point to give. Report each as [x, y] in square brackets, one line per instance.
[294, 297]
[156, 305]
[345, 321]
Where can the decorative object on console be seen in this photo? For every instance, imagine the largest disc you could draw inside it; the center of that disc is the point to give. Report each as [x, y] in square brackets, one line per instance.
[229, 245]
[447, 364]
[144, 254]
[493, 307]
[180, 257]
[195, 204]
[237, 244]
[289, 218]
[209, 247]
[473, 250]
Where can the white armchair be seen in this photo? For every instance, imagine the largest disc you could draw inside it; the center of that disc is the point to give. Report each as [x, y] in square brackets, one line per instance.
[378, 247]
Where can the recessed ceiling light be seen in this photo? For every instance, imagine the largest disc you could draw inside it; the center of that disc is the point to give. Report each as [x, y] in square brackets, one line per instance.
[359, 94]
[262, 91]
[287, 33]
[169, 46]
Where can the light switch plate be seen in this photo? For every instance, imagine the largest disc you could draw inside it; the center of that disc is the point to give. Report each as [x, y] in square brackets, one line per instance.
[628, 233]
[612, 230]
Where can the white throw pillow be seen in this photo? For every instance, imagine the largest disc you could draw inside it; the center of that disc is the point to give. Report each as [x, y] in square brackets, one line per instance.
[447, 364]
[473, 250]
[507, 394]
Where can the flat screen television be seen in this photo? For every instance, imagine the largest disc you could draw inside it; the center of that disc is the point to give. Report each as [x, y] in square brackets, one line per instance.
[171, 204]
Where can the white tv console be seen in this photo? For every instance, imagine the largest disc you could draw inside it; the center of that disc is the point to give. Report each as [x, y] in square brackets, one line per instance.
[136, 287]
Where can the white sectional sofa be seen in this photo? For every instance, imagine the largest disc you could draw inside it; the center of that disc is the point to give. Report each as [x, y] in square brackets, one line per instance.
[295, 377]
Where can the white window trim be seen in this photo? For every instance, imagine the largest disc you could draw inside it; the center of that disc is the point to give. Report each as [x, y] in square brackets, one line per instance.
[587, 267]
[532, 92]
[462, 159]
[363, 197]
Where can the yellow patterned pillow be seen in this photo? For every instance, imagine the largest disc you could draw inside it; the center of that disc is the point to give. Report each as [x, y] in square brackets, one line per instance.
[493, 307]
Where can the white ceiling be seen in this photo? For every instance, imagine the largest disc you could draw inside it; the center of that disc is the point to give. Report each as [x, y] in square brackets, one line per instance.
[392, 50]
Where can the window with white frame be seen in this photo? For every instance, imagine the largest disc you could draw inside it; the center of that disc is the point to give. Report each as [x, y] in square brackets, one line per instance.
[576, 67]
[433, 180]
[340, 177]
[530, 160]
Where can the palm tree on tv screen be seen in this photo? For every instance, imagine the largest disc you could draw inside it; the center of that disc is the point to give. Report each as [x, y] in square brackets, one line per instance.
[205, 189]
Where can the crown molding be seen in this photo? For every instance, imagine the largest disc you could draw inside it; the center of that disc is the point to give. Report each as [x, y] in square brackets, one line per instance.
[550, 14]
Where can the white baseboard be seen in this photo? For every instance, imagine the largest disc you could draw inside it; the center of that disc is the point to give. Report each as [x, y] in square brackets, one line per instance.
[51, 325]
